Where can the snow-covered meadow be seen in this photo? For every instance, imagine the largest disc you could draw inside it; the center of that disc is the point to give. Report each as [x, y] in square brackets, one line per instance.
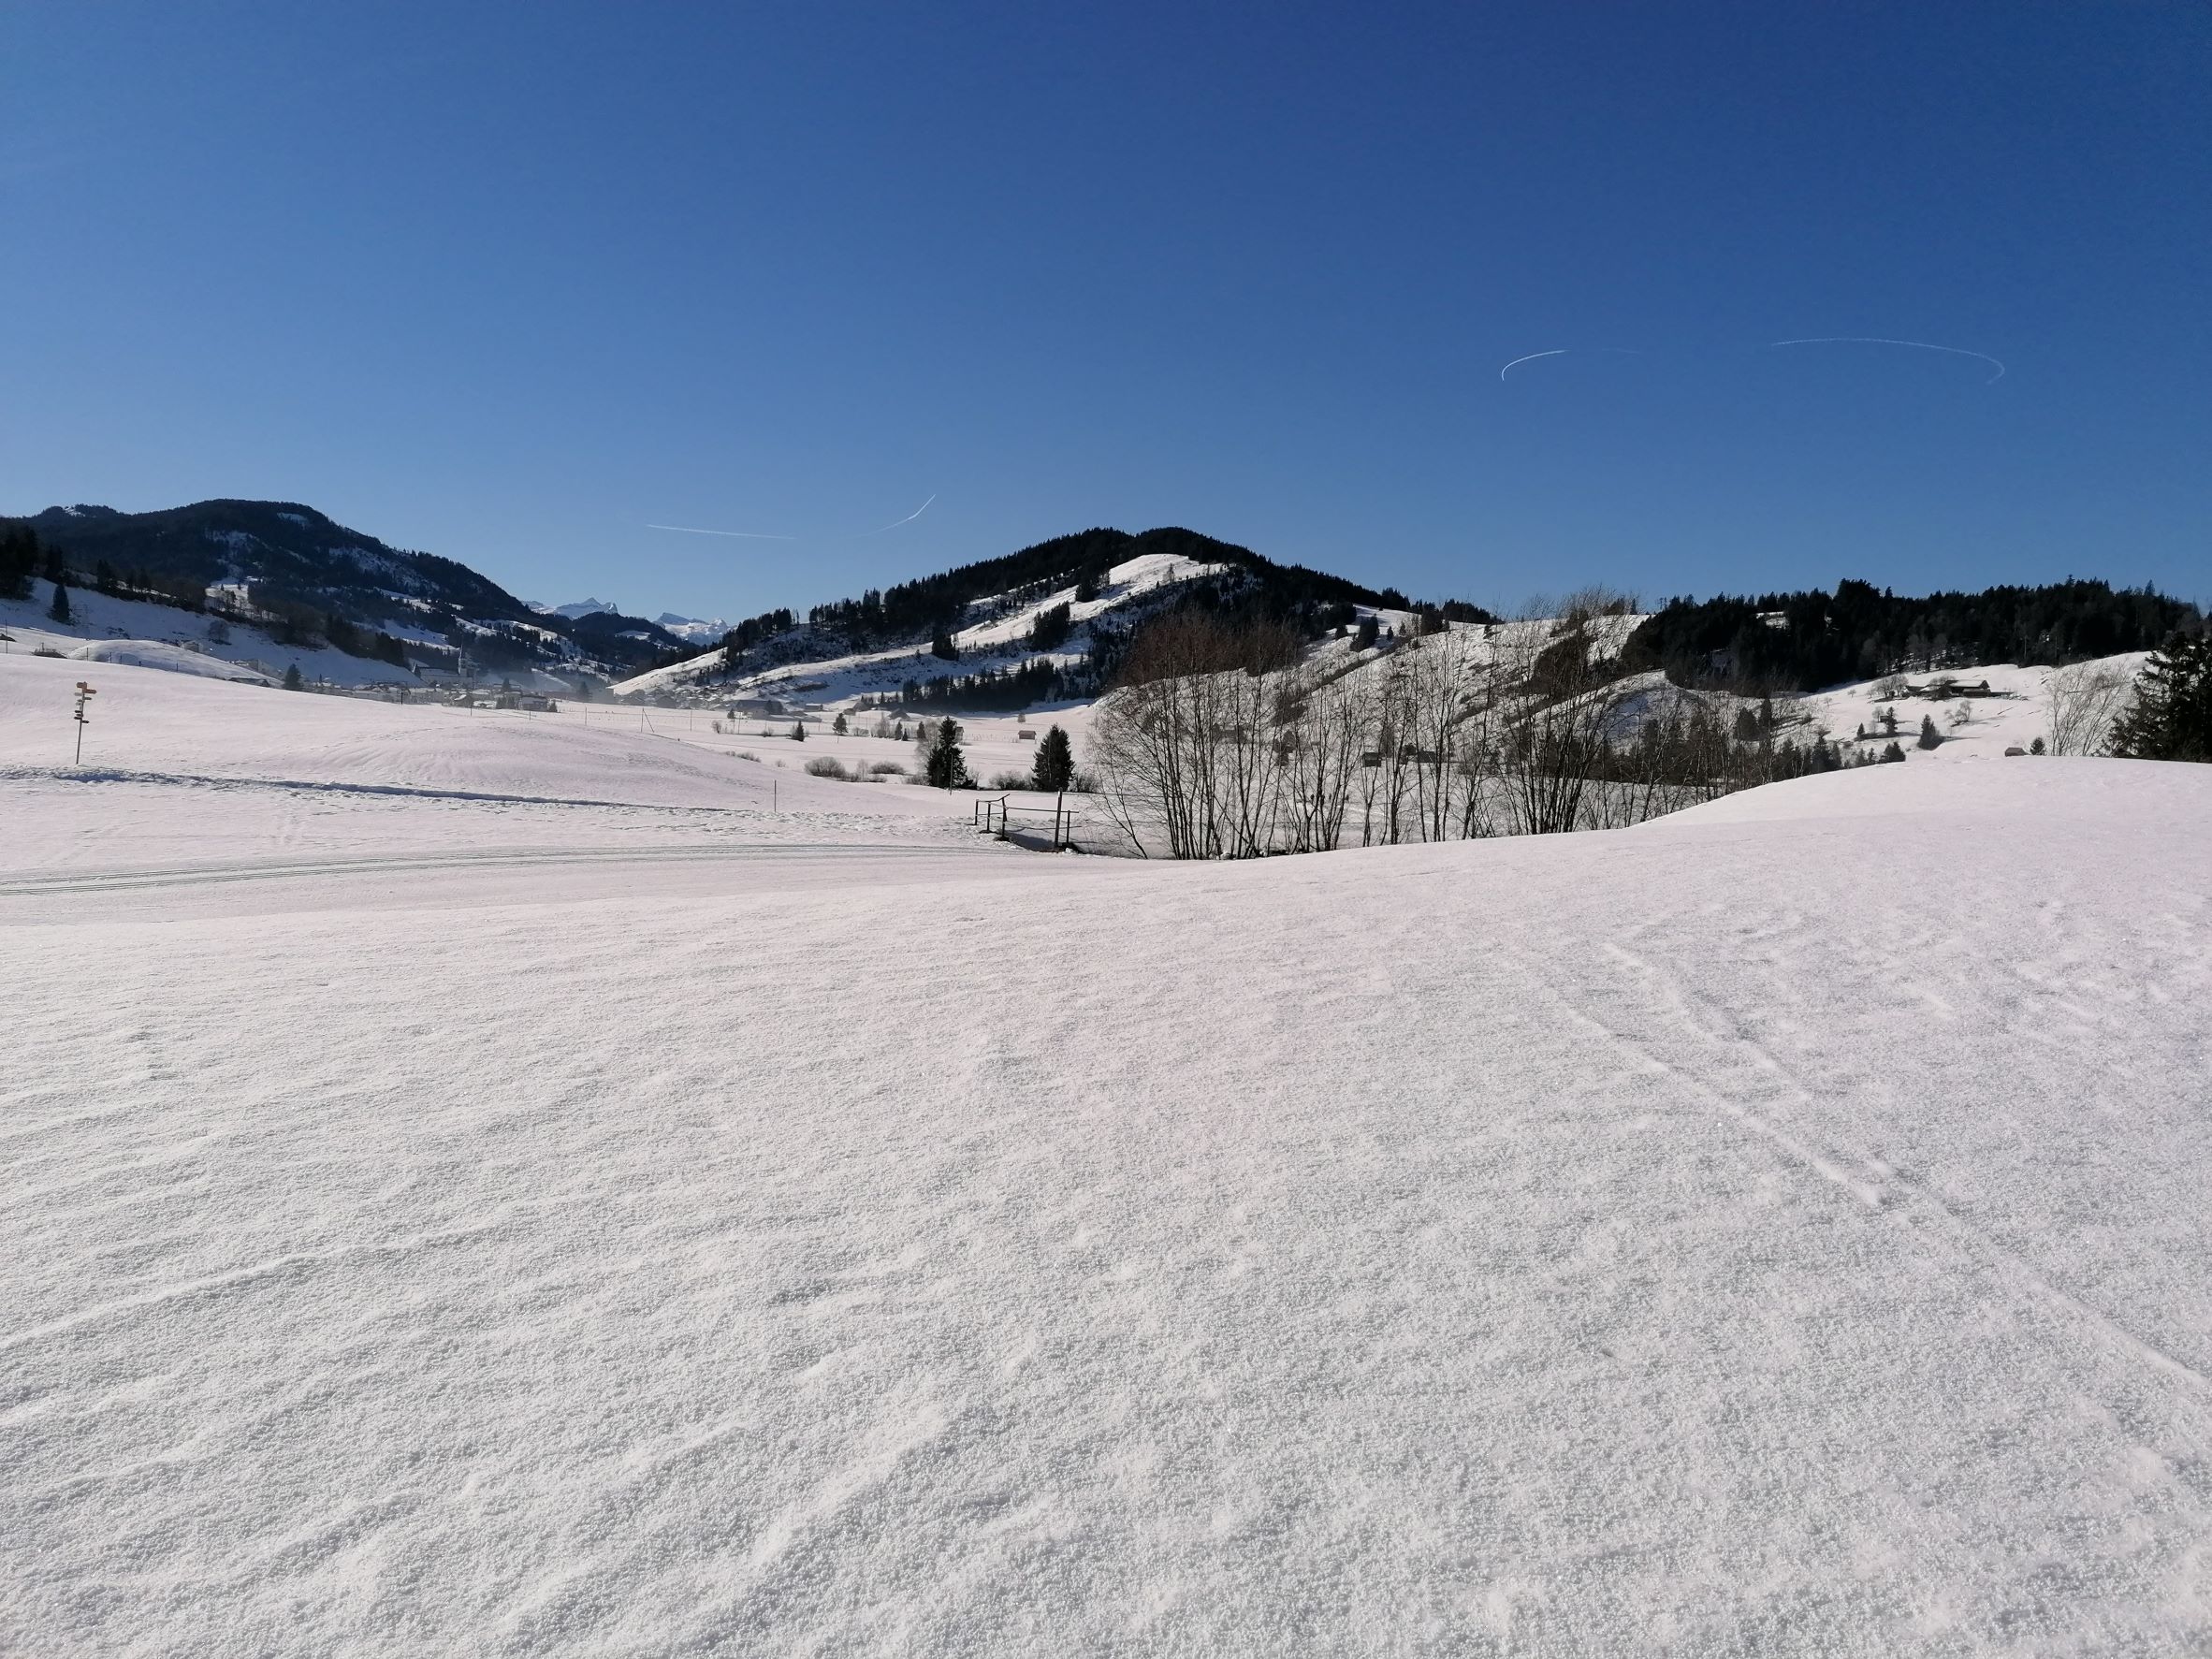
[479, 1183]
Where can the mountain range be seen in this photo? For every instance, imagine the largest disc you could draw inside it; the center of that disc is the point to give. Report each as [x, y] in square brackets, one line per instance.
[302, 565]
[319, 577]
[1047, 621]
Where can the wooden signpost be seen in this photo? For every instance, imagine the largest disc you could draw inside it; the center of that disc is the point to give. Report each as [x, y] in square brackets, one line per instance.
[84, 693]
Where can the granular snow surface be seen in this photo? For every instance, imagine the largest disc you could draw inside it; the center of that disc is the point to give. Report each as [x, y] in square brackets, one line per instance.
[1779, 1229]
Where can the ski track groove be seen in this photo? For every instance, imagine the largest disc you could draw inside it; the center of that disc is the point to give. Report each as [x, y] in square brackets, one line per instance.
[210, 875]
[1884, 1191]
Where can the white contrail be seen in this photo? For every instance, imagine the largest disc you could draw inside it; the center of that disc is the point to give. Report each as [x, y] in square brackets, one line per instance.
[1917, 345]
[745, 535]
[1531, 357]
[896, 522]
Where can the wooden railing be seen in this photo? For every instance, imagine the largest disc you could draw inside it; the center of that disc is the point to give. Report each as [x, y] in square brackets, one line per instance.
[1003, 816]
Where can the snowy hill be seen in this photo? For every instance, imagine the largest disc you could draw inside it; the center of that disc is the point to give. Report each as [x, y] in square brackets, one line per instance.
[999, 637]
[500, 1225]
[1062, 604]
[288, 564]
[287, 549]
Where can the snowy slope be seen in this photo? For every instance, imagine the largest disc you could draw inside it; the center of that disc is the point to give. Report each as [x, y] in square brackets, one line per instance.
[1779, 1229]
[2015, 715]
[175, 658]
[121, 623]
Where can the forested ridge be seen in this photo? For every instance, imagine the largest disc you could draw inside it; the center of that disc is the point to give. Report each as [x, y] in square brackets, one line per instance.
[313, 577]
[1082, 561]
[1782, 643]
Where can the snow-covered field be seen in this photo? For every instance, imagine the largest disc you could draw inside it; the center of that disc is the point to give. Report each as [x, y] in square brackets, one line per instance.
[627, 1217]
[184, 770]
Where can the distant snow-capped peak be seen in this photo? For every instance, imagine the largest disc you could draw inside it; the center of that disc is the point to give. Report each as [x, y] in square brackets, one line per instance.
[694, 630]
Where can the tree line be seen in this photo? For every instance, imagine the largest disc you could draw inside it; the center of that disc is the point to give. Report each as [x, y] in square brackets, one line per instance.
[1791, 643]
[988, 691]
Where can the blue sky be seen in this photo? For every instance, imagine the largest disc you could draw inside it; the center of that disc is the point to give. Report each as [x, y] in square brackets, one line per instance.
[510, 284]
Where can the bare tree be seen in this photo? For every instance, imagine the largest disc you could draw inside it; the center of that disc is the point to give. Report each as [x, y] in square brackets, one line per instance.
[1188, 740]
[1320, 740]
[2086, 699]
[1556, 741]
[1219, 742]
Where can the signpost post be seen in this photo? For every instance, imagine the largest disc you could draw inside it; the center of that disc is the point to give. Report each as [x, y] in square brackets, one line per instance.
[84, 693]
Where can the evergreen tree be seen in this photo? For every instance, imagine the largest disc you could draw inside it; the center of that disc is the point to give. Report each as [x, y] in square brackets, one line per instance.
[1370, 631]
[1055, 767]
[1930, 737]
[940, 643]
[19, 561]
[1892, 752]
[837, 725]
[947, 767]
[292, 679]
[59, 609]
[104, 576]
[798, 731]
[2171, 719]
[1050, 629]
